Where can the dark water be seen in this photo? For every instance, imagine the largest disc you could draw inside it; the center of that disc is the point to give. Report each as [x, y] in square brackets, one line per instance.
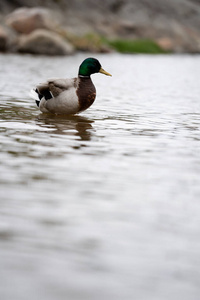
[104, 205]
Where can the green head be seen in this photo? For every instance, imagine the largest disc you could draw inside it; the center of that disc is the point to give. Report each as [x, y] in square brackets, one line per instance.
[90, 66]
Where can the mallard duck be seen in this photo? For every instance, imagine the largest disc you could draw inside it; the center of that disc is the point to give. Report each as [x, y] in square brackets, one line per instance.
[69, 96]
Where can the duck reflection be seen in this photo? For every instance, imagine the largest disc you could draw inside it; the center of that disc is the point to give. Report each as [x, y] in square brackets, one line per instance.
[67, 125]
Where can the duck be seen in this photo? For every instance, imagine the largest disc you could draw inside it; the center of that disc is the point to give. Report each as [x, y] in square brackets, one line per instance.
[70, 95]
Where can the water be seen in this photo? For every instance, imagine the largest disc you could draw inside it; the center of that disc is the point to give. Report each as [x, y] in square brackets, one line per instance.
[104, 205]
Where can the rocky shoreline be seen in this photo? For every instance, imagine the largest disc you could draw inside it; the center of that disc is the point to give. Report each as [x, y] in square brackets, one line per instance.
[63, 27]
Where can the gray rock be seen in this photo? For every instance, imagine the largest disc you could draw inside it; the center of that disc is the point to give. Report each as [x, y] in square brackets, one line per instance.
[174, 23]
[8, 39]
[3, 39]
[42, 41]
[25, 20]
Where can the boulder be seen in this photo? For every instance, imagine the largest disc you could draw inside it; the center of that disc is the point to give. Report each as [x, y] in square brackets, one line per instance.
[166, 43]
[42, 41]
[25, 20]
[8, 39]
[3, 39]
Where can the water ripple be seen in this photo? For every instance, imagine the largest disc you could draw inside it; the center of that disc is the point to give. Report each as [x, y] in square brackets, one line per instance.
[103, 205]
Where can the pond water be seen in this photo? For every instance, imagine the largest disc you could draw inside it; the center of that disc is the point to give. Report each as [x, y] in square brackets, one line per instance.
[105, 204]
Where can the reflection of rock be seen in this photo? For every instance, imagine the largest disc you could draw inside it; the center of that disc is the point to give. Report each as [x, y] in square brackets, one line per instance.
[44, 42]
[25, 20]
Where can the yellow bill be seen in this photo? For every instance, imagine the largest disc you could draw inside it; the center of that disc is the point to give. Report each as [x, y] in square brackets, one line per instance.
[104, 72]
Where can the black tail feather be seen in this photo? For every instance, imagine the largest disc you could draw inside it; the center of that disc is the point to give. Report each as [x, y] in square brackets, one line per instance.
[39, 95]
[45, 93]
[37, 102]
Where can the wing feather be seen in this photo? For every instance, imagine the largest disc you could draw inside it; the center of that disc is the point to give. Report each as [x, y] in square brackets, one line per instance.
[56, 86]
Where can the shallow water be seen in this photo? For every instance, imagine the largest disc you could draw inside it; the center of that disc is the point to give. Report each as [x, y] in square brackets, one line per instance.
[106, 204]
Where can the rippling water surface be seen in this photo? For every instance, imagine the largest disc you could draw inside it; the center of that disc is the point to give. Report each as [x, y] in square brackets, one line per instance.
[105, 204]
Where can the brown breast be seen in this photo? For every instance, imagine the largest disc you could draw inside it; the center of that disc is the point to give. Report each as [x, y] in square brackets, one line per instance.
[86, 92]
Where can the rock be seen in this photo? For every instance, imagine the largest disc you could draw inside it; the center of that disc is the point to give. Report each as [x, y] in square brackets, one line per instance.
[175, 23]
[88, 43]
[42, 41]
[3, 39]
[25, 20]
[166, 43]
[8, 42]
